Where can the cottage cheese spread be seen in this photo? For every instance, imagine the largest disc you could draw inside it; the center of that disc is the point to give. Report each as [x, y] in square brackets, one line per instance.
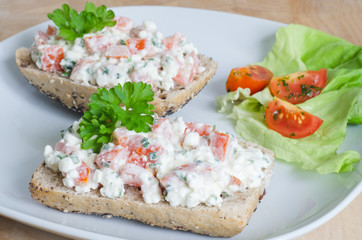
[119, 54]
[184, 163]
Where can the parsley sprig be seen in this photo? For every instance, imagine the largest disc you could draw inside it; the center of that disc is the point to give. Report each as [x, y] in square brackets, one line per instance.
[72, 24]
[126, 106]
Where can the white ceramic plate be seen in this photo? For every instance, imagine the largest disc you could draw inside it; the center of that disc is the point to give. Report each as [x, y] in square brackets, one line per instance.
[296, 201]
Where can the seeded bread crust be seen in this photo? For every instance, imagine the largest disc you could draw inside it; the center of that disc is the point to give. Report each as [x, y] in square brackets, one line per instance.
[76, 96]
[227, 220]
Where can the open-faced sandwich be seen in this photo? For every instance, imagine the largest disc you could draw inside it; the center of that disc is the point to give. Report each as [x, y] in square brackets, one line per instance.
[96, 49]
[118, 160]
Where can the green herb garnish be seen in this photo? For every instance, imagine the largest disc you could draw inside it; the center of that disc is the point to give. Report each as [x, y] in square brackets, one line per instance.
[153, 156]
[105, 164]
[73, 25]
[126, 106]
[145, 143]
[106, 71]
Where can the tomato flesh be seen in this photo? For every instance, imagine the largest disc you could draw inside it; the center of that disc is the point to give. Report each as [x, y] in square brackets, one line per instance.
[201, 128]
[219, 142]
[191, 167]
[123, 23]
[83, 171]
[254, 77]
[136, 45]
[300, 86]
[162, 126]
[97, 43]
[174, 41]
[234, 181]
[106, 158]
[117, 52]
[289, 120]
[51, 58]
[137, 159]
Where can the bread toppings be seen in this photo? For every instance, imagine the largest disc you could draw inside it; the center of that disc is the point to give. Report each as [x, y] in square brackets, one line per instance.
[184, 163]
[119, 54]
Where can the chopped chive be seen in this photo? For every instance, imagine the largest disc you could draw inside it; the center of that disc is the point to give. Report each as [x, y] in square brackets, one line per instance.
[145, 142]
[105, 164]
[106, 71]
[153, 155]
[75, 159]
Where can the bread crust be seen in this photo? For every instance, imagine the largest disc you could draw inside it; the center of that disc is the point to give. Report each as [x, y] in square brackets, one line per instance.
[76, 96]
[227, 220]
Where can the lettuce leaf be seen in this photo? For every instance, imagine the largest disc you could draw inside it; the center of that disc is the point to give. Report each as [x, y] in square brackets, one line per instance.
[299, 48]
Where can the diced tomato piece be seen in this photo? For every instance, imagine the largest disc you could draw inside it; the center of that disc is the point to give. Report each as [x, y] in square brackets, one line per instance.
[123, 23]
[83, 171]
[184, 75]
[141, 76]
[40, 38]
[114, 158]
[138, 159]
[152, 152]
[134, 142]
[106, 158]
[200, 169]
[197, 63]
[194, 167]
[158, 123]
[117, 51]
[201, 128]
[218, 143]
[186, 71]
[135, 45]
[134, 33]
[174, 41]
[131, 173]
[51, 58]
[62, 147]
[83, 63]
[96, 43]
[51, 30]
[234, 180]
[59, 146]
[165, 181]
[120, 140]
[162, 127]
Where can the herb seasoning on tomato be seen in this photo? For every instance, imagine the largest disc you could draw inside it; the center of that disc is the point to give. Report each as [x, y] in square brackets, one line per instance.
[300, 86]
[290, 120]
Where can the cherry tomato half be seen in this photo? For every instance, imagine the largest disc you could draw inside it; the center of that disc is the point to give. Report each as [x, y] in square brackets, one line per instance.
[289, 120]
[254, 77]
[300, 86]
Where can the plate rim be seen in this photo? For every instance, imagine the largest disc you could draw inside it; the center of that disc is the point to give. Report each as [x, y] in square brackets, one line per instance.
[58, 228]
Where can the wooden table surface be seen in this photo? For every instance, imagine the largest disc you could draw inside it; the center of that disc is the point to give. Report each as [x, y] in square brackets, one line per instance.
[341, 18]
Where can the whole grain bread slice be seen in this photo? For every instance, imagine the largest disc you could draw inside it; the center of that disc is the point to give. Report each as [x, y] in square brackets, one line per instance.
[227, 220]
[76, 96]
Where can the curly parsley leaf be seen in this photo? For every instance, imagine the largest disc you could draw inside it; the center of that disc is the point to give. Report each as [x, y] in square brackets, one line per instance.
[126, 106]
[72, 24]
